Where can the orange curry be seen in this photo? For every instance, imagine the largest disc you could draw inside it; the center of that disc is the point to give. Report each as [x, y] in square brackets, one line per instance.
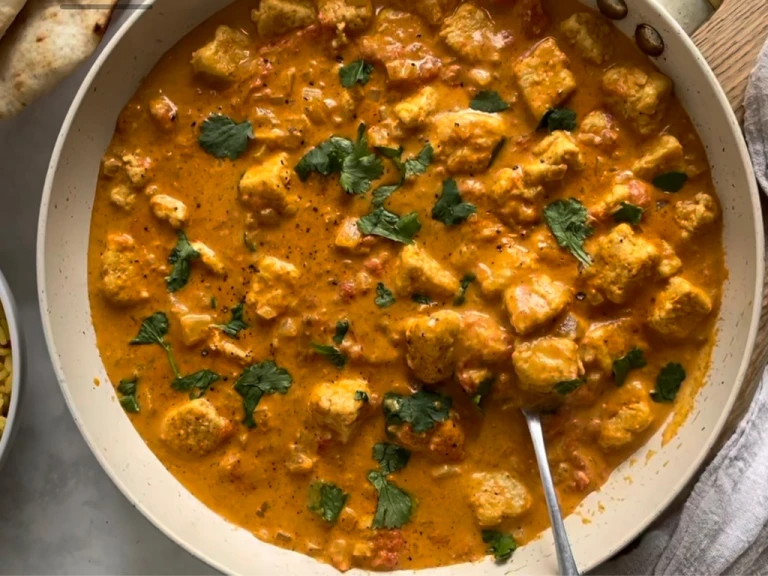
[336, 246]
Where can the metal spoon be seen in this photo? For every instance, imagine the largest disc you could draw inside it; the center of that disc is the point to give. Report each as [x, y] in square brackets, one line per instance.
[565, 562]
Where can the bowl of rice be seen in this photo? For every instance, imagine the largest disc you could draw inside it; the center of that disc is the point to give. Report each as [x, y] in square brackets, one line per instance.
[10, 368]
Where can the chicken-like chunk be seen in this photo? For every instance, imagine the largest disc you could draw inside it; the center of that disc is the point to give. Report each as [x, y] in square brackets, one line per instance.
[431, 345]
[516, 200]
[633, 192]
[334, 405]
[535, 302]
[510, 263]
[221, 59]
[164, 112]
[170, 209]
[348, 236]
[137, 169]
[639, 98]
[445, 441]
[122, 270]
[418, 273]
[194, 328]
[560, 148]
[590, 35]
[122, 196]
[544, 363]
[545, 77]
[599, 129]
[692, 215]
[195, 428]
[670, 264]
[679, 309]
[632, 417]
[469, 33]
[273, 288]
[209, 258]
[495, 496]
[266, 186]
[275, 17]
[416, 111]
[482, 339]
[229, 349]
[533, 17]
[466, 139]
[605, 342]
[349, 15]
[397, 43]
[663, 155]
[289, 131]
[433, 11]
[622, 261]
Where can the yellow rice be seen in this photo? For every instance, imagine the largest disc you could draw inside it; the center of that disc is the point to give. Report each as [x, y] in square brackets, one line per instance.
[6, 371]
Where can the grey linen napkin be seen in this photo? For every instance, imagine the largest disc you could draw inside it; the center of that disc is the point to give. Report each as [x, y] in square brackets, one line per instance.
[723, 526]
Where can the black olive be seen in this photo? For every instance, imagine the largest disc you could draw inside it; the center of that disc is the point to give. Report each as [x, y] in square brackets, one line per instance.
[649, 40]
[613, 9]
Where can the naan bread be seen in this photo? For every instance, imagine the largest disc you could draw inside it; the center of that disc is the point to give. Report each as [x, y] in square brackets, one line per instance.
[44, 44]
[8, 11]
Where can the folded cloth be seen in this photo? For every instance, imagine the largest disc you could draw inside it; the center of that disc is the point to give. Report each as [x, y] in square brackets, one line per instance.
[723, 526]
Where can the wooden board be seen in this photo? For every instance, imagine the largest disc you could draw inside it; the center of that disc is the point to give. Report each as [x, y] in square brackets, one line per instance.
[730, 42]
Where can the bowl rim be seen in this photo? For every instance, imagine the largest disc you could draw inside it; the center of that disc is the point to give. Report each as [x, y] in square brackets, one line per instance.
[8, 305]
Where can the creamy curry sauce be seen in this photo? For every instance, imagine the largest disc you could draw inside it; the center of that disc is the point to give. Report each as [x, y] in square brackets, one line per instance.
[540, 324]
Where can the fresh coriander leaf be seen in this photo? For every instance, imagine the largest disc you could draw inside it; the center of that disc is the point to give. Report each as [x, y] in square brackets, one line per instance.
[357, 72]
[422, 299]
[418, 164]
[622, 366]
[222, 137]
[236, 323]
[488, 101]
[361, 396]
[327, 500]
[384, 297]
[394, 505]
[382, 222]
[668, 383]
[360, 167]
[128, 399]
[482, 391]
[196, 384]
[567, 219]
[559, 119]
[449, 209]
[390, 457]
[382, 194]
[326, 158]
[461, 297]
[567, 386]
[389, 152]
[628, 213]
[342, 327]
[670, 181]
[258, 380]
[332, 354]
[152, 331]
[181, 258]
[496, 151]
[421, 410]
[501, 545]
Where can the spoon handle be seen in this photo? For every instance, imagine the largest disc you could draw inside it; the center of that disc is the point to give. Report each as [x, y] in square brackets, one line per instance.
[566, 563]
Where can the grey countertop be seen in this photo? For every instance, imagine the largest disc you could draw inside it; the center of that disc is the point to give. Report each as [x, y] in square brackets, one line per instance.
[59, 512]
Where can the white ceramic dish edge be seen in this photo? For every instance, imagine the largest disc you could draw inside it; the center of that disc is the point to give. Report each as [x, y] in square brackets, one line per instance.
[17, 355]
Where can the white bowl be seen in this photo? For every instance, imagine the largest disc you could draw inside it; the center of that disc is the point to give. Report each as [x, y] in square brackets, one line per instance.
[17, 345]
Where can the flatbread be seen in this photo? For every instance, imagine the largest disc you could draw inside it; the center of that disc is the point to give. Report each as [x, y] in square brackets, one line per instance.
[8, 11]
[45, 43]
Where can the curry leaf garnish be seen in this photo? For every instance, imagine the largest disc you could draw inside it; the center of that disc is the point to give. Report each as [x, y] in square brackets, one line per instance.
[461, 297]
[181, 258]
[628, 213]
[482, 390]
[258, 380]
[622, 366]
[196, 384]
[500, 544]
[127, 390]
[236, 323]
[568, 386]
[668, 383]
[361, 396]
[394, 505]
[222, 137]
[331, 353]
[559, 119]
[488, 101]
[421, 299]
[449, 209]
[357, 72]
[384, 297]
[382, 222]
[342, 327]
[418, 164]
[327, 500]
[567, 219]
[152, 331]
[670, 181]
[421, 410]
[390, 457]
